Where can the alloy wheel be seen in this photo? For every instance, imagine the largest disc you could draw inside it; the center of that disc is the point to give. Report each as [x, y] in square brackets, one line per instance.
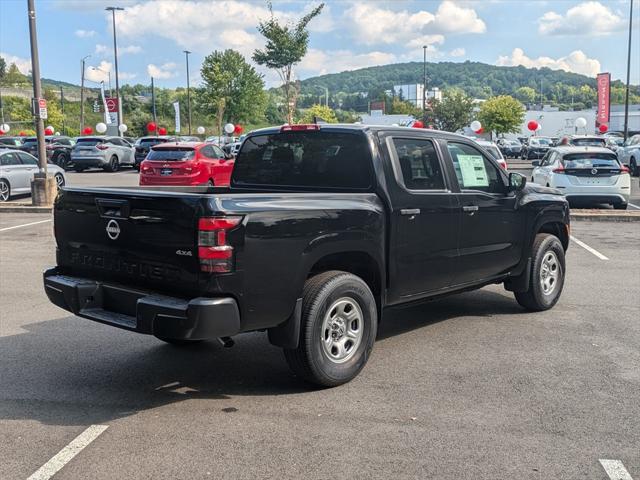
[4, 191]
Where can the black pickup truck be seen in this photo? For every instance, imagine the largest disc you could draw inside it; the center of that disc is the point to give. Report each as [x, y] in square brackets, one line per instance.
[321, 229]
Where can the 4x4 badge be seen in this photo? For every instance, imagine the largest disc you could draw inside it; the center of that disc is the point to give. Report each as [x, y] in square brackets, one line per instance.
[113, 230]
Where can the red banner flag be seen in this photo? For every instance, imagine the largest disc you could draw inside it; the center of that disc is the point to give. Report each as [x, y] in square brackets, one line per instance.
[604, 80]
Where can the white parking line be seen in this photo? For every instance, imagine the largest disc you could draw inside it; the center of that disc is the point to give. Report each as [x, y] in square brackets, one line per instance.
[65, 455]
[24, 225]
[589, 249]
[634, 206]
[615, 469]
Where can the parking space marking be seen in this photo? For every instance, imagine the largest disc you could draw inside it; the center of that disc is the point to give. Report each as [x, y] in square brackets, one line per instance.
[634, 206]
[24, 225]
[65, 455]
[615, 469]
[589, 249]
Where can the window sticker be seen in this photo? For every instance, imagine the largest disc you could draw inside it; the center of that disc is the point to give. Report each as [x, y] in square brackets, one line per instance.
[474, 173]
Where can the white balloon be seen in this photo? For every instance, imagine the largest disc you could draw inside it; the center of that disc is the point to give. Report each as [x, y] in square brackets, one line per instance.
[229, 128]
[122, 127]
[539, 127]
[101, 127]
[200, 130]
[581, 122]
[5, 128]
[57, 133]
[475, 125]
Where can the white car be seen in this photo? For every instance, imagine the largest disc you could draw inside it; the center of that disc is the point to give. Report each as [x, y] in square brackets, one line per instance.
[494, 151]
[585, 175]
[629, 154]
[16, 171]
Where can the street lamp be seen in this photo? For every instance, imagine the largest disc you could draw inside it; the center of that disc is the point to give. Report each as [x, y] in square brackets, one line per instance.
[108, 72]
[82, 91]
[186, 54]
[115, 54]
[424, 84]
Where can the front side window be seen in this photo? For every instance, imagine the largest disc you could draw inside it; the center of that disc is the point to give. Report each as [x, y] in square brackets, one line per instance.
[473, 170]
[419, 164]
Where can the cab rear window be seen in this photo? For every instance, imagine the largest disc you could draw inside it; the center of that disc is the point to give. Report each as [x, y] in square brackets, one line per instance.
[331, 160]
[170, 154]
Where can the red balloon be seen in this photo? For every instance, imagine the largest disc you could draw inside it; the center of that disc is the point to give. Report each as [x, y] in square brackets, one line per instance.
[238, 129]
[162, 131]
[49, 131]
[603, 128]
[151, 127]
[1, 132]
[87, 130]
[23, 134]
[418, 124]
[481, 130]
[532, 125]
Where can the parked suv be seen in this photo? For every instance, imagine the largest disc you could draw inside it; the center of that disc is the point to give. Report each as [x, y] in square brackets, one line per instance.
[186, 163]
[510, 148]
[108, 153]
[144, 144]
[14, 143]
[584, 141]
[537, 147]
[630, 154]
[58, 148]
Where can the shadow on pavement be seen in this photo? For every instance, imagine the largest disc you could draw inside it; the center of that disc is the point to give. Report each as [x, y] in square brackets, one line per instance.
[71, 371]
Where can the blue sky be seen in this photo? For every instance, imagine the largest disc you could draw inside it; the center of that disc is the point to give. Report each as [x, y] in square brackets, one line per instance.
[581, 36]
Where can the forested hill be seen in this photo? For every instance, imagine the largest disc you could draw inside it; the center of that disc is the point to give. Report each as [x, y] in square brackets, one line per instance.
[478, 80]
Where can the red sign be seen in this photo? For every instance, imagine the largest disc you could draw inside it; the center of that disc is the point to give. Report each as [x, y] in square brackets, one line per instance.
[42, 108]
[376, 106]
[604, 80]
[112, 105]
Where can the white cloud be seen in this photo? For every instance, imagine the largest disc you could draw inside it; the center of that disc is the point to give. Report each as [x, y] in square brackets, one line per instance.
[100, 73]
[166, 70]
[319, 62]
[457, 52]
[576, 62]
[132, 49]
[23, 64]
[85, 33]
[374, 25]
[587, 18]
[103, 50]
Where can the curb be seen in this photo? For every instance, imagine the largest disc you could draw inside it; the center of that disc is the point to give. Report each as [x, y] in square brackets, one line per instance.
[24, 208]
[605, 216]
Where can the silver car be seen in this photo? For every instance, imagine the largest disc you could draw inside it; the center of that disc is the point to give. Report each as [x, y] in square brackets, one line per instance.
[108, 153]
[630, 154]
[16, 171]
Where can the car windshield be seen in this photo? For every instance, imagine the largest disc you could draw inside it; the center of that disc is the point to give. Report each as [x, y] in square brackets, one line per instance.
[171, 154]
[590, 160]
[305, 159]
[89, 142]
[540, 141]
[589, 142]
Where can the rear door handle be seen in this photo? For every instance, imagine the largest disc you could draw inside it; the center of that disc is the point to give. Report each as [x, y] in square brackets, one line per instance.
[410, 211]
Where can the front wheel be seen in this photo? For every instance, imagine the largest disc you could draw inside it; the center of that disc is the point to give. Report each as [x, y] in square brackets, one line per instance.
[5, 191]
[339, 326]
[547, 274]
[59, 180]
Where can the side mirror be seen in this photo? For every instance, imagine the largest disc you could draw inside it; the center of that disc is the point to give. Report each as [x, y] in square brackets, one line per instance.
[517, 181]
[535, 163]
[228, 156]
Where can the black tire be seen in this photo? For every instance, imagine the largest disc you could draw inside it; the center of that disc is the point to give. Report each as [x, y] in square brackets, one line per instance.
[113, 164]
[310, 361]
[178, 342]
[64, 159]
[535, 298]
[5, 190]
[633, 168]
[620, 206]
[59, 180]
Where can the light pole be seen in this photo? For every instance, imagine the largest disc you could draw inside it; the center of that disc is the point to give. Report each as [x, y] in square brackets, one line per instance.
[153, 103]
[119, 120]
[82, 92]
[424, 84]
[186, 54]
[626, 93]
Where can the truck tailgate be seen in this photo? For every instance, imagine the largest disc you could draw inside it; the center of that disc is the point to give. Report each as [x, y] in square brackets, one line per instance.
[137, 237]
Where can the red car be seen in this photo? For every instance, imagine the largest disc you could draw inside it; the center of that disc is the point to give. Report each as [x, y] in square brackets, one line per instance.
[186, 163]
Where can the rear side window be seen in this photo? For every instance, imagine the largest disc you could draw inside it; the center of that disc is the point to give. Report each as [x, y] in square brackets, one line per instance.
[305, 159]
[419, 164]
[170, 154]
[207, 151]
[9, 159]
[27, 159]
[590, 160]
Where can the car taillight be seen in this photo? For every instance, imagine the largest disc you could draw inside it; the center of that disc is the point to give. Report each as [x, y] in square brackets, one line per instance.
[214, 253]
[299, 128]
[624, 169]
[102, 147]
[560, 169]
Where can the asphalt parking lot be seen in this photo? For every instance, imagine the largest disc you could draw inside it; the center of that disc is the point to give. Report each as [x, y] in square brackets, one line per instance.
[466, 387]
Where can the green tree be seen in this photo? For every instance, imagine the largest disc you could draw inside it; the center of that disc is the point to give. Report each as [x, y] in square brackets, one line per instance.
[13, 76]
[403, 107]
[454, 111]
[232, 88]
[3, 68]
[502, 114]
[526, 95]
[318, 111]
[285, 47]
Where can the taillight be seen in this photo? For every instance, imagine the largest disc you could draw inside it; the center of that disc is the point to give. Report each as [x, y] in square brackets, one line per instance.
[215, 254]
[299, 128]
[560, 169]
[624, 169]
[102, 147]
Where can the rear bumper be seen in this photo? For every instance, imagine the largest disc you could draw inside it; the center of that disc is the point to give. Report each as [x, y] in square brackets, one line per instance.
[89, 161]
[613, 198]
[143, 312]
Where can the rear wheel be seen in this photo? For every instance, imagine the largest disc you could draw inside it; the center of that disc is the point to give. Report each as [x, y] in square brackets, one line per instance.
[113, 164]
[339, 325]
[547, 274]
[5, 190]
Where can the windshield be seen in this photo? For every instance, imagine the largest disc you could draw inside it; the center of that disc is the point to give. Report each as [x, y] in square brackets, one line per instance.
[170, 154]
[540, 141]
[590, 160]
[88, 142]
[589, 142]
[305, 159]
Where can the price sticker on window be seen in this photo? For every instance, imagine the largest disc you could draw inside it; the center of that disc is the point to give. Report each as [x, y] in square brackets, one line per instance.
[473, 170]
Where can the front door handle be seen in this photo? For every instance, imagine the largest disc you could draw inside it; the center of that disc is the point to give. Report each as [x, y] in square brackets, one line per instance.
[410, 211]
[470, 209]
